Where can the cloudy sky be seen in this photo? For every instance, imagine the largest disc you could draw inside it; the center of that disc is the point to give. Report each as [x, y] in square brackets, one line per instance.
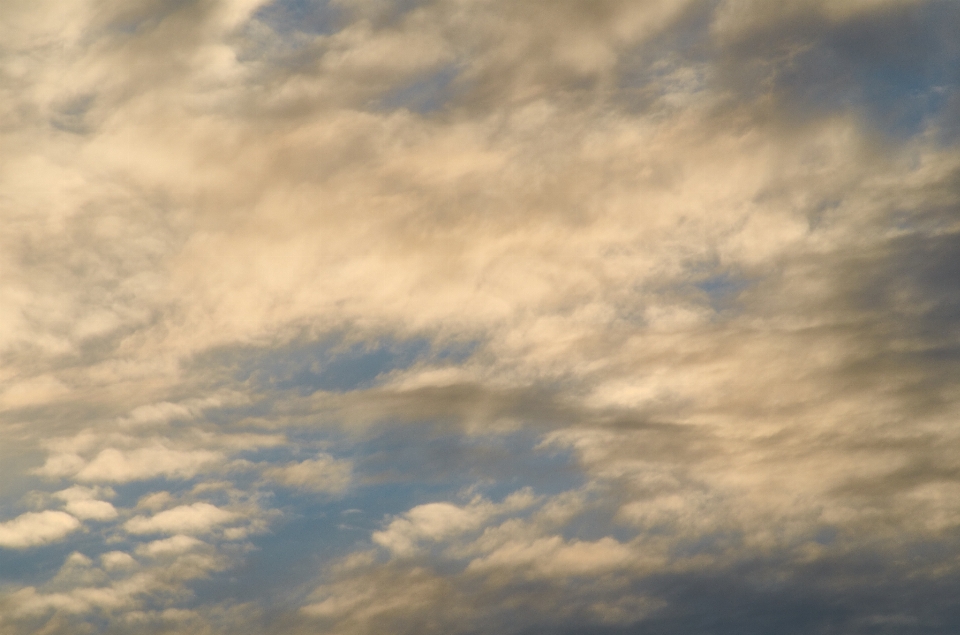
[441, 317]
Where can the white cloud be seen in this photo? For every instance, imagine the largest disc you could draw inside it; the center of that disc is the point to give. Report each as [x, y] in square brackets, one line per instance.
[117, 560]
[36, 528]
[155, 501]
[82, 503]
[322, 474]
[159, 413]
[432, 521]
[91, 509]
[198, 518]
[117, 466]
[61, 464]
[173, 546]
[165, 411]
[435, 522]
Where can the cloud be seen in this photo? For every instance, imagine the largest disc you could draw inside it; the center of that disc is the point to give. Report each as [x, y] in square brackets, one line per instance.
[435, 522]
[91, 509]
[322, 474]
[117, 560]
[687, 270]
[174, 545]
[82, 503]
[36, 528]
[80, 589]
[198, 518]
[553, 557]
[116, 466]
[165, 411]
[155, 501]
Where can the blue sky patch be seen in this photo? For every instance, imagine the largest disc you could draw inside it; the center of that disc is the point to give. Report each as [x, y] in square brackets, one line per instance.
[307, 16]
[423, 94]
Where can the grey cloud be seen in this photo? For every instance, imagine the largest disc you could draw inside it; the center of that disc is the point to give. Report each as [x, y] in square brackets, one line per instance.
[915, 287]
[889, 64]
[812, 587]
[754, 598]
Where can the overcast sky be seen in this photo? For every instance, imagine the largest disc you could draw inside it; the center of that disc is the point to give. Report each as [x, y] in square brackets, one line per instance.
[577, 317]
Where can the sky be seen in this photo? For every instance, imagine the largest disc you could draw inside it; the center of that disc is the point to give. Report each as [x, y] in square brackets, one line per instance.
[468, 317]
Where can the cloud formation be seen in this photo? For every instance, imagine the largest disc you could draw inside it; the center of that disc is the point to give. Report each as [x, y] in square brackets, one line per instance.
[322, 474]
[82, 503]
[189, 519]
[36, 528]
[375, 316]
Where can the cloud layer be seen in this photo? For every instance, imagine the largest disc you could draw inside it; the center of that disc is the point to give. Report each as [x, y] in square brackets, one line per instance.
[362, 316]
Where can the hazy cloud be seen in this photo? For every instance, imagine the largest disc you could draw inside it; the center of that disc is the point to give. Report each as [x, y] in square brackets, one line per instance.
[322, 474]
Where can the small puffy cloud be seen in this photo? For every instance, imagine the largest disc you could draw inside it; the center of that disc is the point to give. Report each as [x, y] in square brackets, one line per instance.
[158, 413]
[36, 528]
[166, 411]
[116, 466]
[432, 521]
[322, 474]
[76, 560]
[81, 502]
[92, 509]
[198, 518]
[61, 464]
[79, 492]
[155, 501]
[248, 441]
[173, 546]
[117, 560]
[113, 465]
[439, 521]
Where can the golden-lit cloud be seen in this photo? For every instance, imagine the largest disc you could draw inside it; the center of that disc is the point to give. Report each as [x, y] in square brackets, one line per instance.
[374, 316]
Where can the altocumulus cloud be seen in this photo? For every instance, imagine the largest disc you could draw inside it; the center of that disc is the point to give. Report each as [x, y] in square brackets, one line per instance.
[81, 502]
[479, 316]
[196, 518]
[36, 528]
